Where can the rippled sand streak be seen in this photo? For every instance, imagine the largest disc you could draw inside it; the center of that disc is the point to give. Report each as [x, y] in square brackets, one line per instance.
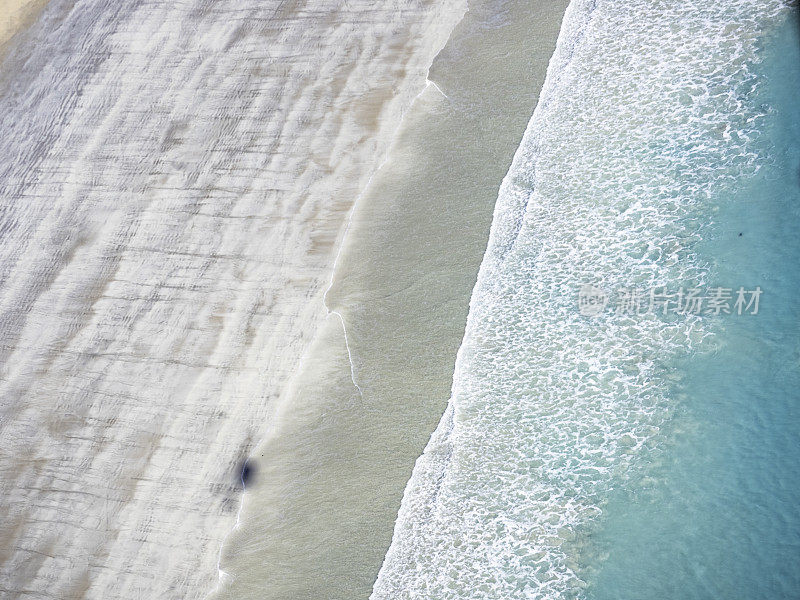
[174, 185]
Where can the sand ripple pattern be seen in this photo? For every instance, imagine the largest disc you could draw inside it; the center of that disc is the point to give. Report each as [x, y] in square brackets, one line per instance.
[647, 117]
[174, 180]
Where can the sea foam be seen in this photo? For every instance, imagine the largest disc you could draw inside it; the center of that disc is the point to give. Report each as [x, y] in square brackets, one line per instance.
[648, 115]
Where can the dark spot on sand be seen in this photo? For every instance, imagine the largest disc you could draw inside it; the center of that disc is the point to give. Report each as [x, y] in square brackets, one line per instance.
[247, 472]
[740, 234]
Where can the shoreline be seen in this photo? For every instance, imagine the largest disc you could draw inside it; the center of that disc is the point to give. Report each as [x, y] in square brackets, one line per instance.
[129, 425]
[508, 495]
[334, 465]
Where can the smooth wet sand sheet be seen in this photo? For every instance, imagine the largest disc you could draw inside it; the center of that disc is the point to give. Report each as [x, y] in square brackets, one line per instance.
[330, 475]
[175, 183]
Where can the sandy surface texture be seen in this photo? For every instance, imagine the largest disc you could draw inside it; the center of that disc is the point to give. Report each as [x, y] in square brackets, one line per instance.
[174, 187]
[15, 15]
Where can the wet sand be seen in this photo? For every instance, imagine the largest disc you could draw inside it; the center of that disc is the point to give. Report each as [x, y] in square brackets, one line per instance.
[179, 179]
[319, 515]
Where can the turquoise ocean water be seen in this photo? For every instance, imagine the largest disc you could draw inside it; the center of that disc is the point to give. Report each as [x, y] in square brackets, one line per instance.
[719, 515]
[610, 451]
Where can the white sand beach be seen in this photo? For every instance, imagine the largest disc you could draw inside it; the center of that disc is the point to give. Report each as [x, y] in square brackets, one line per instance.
[179, 180]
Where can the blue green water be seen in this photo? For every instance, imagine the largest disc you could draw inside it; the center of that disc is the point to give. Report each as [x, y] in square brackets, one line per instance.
[613, 454]
[719, 513]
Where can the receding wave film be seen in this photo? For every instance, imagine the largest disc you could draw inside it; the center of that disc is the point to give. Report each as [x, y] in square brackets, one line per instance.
[647, 117]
